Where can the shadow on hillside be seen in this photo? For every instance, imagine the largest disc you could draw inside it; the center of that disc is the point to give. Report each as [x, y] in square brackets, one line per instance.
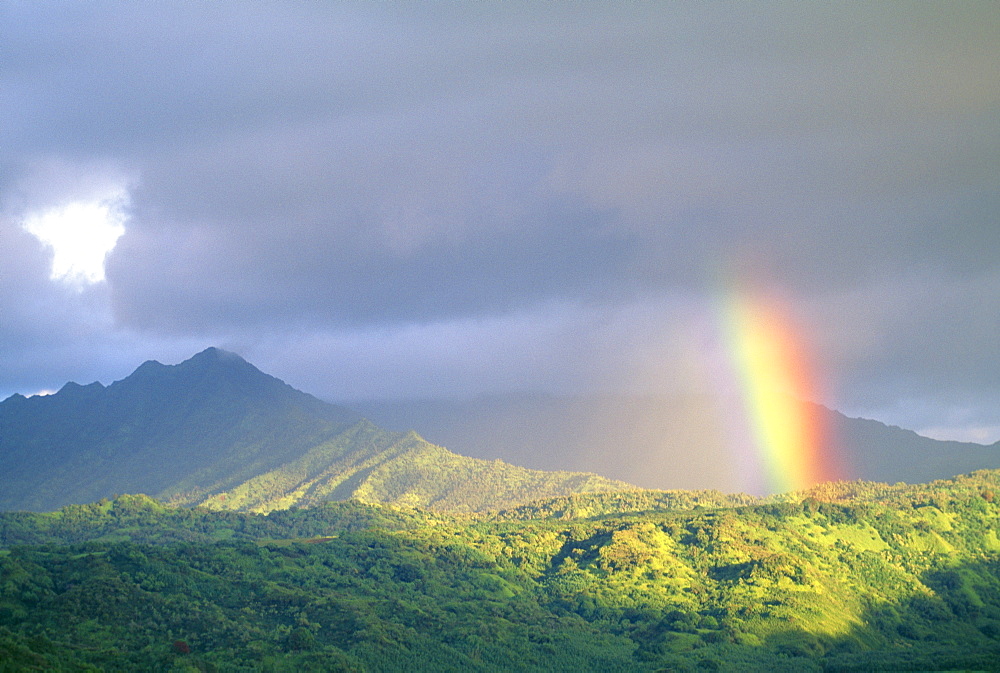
[954, 626]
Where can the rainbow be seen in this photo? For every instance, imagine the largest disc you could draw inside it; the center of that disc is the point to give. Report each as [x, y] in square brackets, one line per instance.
[785, 444]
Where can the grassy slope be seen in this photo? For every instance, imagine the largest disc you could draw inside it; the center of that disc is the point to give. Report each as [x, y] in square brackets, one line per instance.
[372, 465]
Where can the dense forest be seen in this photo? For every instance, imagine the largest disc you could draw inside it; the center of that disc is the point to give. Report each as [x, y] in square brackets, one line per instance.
[846, 577]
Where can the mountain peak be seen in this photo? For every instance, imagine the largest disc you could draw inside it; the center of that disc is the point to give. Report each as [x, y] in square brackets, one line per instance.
[213, 356]
[213, 353]
[74, 388]
[164, 429]
[211, 360]
[202, 376]
[219, 363]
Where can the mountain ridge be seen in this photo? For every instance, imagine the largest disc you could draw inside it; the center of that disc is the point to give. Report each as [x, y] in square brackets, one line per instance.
[649, 440]
[215, 430]
[215, 426]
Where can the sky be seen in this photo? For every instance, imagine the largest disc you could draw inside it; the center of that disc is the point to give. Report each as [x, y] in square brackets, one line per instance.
[380, 200]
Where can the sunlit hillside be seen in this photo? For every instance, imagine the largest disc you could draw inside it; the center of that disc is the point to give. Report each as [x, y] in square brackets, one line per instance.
[846, 577]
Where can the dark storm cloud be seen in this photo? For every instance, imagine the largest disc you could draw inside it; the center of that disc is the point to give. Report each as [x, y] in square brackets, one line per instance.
[369, 178]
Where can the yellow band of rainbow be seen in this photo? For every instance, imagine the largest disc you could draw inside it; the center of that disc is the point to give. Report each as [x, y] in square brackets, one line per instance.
[792, 446]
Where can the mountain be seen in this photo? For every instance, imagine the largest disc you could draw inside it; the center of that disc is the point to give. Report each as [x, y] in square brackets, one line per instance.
[217, 430]
[888, 453]
[657, 441]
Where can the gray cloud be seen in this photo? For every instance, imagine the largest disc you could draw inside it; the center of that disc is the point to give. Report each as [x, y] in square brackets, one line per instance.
[376, 189]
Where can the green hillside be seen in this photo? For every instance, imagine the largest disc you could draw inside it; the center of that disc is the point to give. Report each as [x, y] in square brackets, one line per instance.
[372, 465]
[847, 577]
[216, 430]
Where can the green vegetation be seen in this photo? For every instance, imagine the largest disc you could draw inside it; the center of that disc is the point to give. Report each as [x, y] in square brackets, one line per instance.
[214, 430]
[288, 535]
[372, 465]
[844, 577]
